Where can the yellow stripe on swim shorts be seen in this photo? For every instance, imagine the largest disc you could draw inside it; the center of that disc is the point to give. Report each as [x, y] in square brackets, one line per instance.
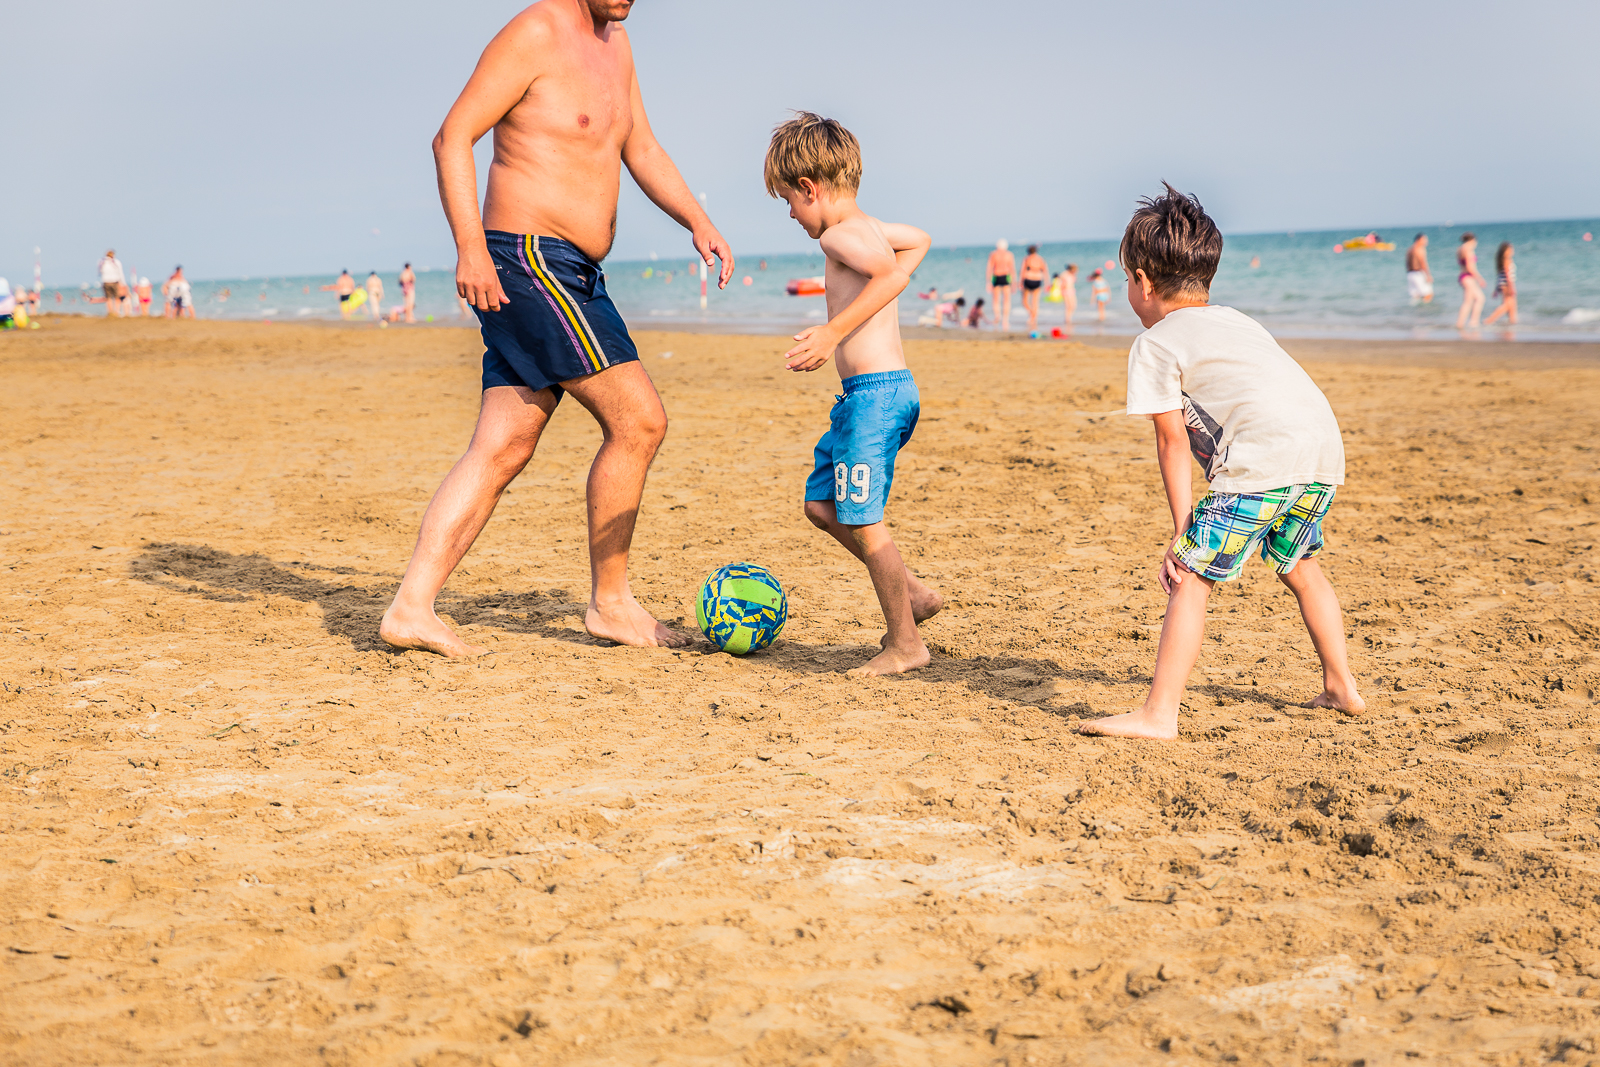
[593, 355]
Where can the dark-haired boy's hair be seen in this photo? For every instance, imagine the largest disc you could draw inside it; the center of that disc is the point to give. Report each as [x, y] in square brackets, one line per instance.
[1175, 243]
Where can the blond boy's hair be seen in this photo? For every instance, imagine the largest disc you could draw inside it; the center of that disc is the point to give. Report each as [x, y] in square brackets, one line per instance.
[810, 146]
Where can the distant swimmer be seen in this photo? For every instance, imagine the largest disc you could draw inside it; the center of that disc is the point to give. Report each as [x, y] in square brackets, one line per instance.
[344, 286]
[1100, 293]
[114, 282]
[1471, 283]
[1419, 279]
[1505, 285]
[975, 316]
[179, 294]
[408, 290]
[375, 296]
[558, 87]
[1034, 272]
[1001, 269]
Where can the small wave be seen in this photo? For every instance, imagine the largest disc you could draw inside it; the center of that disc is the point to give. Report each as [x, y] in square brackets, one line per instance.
[306, 311]
[269, 312]
[1579, 316]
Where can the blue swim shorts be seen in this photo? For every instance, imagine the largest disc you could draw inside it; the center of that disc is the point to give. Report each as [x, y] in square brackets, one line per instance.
[870, 423]
[558, 325]
[1227, 527]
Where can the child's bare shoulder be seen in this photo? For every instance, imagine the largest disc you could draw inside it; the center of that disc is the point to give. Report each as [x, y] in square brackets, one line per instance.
[858, 232]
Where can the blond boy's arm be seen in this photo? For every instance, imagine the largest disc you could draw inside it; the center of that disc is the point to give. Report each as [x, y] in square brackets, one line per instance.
[886, 279]
[1172, 452]
[909, 243]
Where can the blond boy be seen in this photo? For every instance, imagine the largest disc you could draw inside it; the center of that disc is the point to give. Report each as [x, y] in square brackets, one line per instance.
[1217, 385]
[814, 164]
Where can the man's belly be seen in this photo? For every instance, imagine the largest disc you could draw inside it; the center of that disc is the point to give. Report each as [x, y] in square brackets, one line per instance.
[576, 204]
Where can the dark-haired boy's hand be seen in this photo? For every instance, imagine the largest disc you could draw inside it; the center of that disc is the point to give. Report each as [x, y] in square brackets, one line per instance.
[1172, 569]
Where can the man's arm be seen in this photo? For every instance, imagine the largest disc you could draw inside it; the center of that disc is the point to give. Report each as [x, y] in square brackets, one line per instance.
[504, 72]
[886, 279]
[1172, 452]
[658, 176]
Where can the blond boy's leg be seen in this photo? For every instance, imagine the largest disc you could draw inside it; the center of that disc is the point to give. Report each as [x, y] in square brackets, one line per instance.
[1185, 624]
[903, 649]
[1319, 607]
[925, 600]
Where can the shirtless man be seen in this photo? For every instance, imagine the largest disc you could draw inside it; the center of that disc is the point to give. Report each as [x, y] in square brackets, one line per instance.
[1002, 266]
[344, 286]
[1034, 272]
[1419, 279]
[408, 289]
[558, 88]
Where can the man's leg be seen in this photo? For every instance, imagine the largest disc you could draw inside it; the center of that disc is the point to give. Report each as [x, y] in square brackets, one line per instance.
[903, 649]
[1185, 624]
[1319, 607]
[925, 601]
[625, 404]
[509, 425]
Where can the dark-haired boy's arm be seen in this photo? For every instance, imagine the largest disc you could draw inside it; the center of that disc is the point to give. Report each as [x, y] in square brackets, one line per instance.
[1172, 452]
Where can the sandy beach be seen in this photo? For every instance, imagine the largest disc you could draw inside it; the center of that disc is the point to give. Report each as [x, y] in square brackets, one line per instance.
[241, 830]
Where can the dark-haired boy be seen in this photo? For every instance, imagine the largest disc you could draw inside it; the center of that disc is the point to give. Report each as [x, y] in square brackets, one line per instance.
[1216, 384]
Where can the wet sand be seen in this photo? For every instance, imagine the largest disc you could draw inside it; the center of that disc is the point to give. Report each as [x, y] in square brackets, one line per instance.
[241, 830]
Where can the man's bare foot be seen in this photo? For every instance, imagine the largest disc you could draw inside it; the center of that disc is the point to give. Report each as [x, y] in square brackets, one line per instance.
[426, 633]
[1346, 700]
[1134, 724]
[627, 623]
[893, 661]
[925, 602]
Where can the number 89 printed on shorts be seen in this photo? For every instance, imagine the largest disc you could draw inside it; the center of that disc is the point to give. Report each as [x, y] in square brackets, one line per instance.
[846, 479]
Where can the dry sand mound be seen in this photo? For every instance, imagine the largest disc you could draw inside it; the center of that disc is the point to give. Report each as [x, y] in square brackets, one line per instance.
[239, 830]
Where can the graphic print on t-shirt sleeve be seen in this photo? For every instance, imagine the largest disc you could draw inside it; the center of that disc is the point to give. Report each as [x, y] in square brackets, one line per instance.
[1205, 436]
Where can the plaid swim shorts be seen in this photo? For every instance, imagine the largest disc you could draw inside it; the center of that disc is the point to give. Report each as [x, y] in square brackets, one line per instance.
[1226, 527]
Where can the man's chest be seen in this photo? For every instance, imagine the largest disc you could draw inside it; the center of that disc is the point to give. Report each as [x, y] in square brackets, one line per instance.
[581, 97]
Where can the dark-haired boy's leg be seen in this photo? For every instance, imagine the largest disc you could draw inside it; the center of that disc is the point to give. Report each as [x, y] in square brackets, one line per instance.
[1181, 631]
[1319, 607]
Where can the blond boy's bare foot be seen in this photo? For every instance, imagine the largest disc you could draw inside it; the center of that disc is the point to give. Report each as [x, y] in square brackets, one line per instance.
[627, 623]
[426, 633]
[1346, 700]
[925, 602]
[1134, 724]
[893, 661]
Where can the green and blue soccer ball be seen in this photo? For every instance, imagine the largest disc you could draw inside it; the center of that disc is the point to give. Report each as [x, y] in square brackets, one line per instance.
[741, 608]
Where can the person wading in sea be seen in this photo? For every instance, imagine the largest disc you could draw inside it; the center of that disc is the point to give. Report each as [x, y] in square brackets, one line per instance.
[558, 88]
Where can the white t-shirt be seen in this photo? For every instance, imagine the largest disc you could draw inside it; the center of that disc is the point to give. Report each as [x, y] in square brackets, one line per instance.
[178, 290]
[110, 271]
[1256, 419]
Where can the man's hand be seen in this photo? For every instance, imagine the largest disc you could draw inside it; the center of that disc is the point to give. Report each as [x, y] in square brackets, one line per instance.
[478, 282]
[816, 345]
[1170, 572]
[708, 242]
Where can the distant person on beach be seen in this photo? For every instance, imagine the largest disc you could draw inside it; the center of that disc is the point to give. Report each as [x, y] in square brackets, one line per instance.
[408, 290]
[1099, 292]
[975, 317]
[114, 282]
[1034, 272]
[1419, 279]
[557, 86]
[814, 164]
[375, 296]
[8, 306]
[1069, 292]
[144, 294]
[1215, 384]
[1472, 284]
[951, 311]
[345, 286]
[179, 295]
[1002, 268]
[1505, 285]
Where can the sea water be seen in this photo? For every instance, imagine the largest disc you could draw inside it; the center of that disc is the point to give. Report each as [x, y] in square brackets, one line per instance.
[1300, 287]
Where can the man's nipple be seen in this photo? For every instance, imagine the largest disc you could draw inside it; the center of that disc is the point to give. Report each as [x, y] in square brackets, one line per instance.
[583, 120]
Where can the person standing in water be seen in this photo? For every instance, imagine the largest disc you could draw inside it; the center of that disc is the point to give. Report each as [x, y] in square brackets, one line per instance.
[114, 282]
[1069, 292]
[558, 87]
[1034, 272]
[1505, 285]
[1002, 266]
[1471, 283]
[408, 290]
[1100, 293]
[1419, 279]
[375, 296]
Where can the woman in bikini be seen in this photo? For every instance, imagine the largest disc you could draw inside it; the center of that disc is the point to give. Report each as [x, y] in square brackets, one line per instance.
[1471, 283]
[1100, 293]
[1034, 272]
[1505, 285]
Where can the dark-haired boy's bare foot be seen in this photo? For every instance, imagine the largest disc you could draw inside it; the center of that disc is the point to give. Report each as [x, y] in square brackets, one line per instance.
[425, 633]
[893, 661]
[1141, 724]
[925, 601]
[627, 623]
[1342, 699]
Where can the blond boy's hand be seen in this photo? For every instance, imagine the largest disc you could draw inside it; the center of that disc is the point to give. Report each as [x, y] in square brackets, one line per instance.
[816, 345]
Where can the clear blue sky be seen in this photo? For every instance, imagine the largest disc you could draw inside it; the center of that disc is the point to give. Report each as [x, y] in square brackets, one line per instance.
[292, 137]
